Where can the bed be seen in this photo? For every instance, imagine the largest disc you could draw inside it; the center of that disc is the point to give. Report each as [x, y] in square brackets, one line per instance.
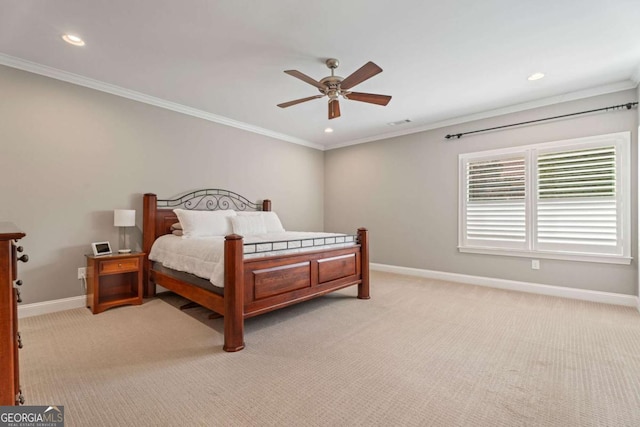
[252, 285]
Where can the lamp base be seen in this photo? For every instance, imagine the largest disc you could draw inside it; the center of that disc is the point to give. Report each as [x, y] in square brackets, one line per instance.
[124, 251]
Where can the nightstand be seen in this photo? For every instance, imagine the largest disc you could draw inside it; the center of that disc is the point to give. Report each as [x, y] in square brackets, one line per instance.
[114, 280]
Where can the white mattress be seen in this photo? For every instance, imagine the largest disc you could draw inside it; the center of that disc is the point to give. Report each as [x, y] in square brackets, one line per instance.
[204, 257]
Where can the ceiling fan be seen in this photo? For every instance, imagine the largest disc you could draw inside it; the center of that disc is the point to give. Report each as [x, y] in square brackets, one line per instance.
[335, 86]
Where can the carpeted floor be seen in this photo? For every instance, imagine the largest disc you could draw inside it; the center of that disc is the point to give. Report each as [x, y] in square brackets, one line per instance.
[419, 353]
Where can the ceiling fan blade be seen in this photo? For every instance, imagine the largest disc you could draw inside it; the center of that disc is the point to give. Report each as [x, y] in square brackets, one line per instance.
[365, 72]
[334, 109]
[298, 101]
[371, 98]
[305, 78]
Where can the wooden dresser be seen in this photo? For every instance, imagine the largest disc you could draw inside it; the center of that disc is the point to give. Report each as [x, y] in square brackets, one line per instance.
[10, 340]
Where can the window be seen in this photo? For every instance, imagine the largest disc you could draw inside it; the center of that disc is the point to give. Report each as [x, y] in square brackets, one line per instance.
[564, 200]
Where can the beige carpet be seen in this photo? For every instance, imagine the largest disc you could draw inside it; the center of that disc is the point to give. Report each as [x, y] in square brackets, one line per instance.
[419, 353]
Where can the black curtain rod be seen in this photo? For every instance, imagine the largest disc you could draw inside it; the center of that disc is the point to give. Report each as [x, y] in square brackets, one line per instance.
[628, 106]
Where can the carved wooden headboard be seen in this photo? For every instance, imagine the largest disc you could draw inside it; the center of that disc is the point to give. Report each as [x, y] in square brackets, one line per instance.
[158, 215]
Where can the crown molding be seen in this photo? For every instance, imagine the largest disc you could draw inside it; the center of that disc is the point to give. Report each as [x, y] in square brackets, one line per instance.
[571, 96]
[43, 70]
[33, 67]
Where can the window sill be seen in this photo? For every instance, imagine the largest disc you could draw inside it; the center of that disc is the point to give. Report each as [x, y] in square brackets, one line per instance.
[606, 259]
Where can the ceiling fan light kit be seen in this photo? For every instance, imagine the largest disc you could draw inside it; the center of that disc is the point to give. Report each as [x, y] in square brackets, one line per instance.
[335, 86]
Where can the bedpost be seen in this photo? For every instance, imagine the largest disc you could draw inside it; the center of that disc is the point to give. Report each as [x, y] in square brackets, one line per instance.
[363, 287]
[149, 207]
[266, 205]
[233, 293]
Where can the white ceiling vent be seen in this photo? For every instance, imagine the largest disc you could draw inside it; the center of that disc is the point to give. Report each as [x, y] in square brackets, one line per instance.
[399, 122]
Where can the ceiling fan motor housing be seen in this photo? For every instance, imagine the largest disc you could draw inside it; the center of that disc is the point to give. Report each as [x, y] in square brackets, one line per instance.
[332, 84]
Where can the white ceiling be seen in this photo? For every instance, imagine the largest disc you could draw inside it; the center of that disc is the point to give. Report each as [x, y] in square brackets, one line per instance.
[224, 59]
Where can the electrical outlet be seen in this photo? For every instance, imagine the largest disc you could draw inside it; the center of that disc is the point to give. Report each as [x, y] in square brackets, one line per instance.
[535, 264]
[82, 273]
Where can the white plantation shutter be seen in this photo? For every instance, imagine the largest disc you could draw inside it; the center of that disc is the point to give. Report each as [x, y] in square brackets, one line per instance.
[495, 202]
[565, 200]
[581, 222]
[496, 221]
[576, 201]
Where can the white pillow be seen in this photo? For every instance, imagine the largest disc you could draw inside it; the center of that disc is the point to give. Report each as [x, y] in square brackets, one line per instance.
[271, 220]
[204, 223]
[248, 225]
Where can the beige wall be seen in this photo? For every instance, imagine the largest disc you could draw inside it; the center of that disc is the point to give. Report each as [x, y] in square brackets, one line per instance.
[70, 155]
[405, 190]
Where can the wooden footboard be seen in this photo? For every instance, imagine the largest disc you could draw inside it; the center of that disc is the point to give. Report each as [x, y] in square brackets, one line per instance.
[258, 285]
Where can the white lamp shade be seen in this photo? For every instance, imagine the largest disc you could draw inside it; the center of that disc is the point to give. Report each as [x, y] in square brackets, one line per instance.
[124, 218]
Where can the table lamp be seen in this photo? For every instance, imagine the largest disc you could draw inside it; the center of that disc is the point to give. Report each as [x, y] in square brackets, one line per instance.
[124, 218]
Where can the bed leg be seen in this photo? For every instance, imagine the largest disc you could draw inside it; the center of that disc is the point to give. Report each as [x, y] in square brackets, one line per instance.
[363, 287]
[149, 209]
[233, 293]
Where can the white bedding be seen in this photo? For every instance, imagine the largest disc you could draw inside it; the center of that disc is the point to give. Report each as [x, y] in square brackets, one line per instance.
[204, 257]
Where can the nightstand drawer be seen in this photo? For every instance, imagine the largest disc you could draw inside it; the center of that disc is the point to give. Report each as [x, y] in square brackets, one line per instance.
[119, 266]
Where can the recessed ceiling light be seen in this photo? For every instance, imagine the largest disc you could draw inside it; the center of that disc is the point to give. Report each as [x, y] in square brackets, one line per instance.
[328, 130]
[535, 76]
[74, 40]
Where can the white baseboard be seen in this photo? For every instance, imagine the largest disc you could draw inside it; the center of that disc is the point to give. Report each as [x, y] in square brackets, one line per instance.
[513, 285]
[45, 307]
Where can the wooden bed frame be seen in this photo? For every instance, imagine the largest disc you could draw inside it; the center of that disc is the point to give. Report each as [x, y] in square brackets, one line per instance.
[255, 285]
